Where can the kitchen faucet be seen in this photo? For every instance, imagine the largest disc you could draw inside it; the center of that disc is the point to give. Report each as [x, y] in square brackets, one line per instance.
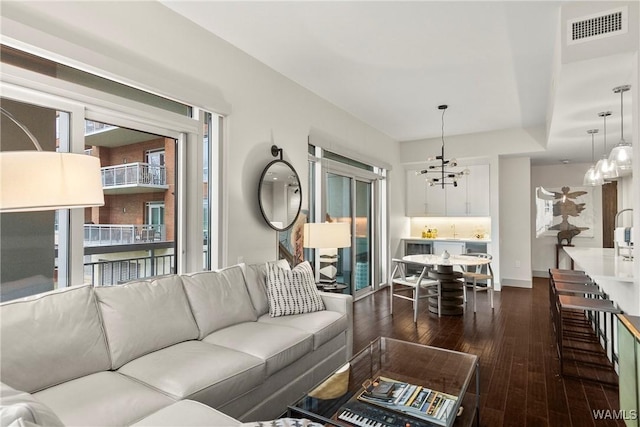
[615, 226]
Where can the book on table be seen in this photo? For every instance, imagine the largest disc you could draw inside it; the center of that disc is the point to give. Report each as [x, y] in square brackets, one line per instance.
[410, 399]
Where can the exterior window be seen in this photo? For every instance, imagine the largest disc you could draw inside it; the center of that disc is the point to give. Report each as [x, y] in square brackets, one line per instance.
[34, 247]
[136, 233]
[132, 236]
[346, 190]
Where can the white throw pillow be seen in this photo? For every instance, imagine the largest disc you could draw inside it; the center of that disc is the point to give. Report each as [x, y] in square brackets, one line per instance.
[292, 291]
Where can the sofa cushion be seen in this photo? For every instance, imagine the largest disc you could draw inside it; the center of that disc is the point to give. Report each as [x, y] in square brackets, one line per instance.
[219, 299]
[51, 338]
[256, 277]
[187, 413]
[145, 316]
[278, 346]
[292, 291]
[195, 367]
[102, 399]
[21, 406]
[324, 325]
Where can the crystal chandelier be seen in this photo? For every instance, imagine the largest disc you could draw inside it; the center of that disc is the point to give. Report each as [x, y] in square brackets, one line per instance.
[622, 153]
[442, 175]
[593, 177]
[607, 168]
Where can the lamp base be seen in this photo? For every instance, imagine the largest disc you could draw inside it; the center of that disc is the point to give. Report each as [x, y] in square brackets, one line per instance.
[328, 268]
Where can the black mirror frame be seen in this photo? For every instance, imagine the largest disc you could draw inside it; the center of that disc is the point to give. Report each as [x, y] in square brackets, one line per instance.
[264, 172]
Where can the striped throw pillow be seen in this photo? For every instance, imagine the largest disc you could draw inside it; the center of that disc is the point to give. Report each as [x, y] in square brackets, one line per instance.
[292, 291]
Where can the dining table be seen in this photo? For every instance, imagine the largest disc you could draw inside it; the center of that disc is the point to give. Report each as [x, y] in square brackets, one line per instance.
[442, 269]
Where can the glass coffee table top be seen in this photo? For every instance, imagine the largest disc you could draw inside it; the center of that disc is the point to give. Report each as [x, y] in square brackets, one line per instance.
[431, 368]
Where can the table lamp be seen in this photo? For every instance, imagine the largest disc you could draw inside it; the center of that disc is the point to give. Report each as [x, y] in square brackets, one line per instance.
[327, 237]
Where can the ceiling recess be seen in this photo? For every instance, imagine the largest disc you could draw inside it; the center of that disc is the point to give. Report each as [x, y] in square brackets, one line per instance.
[604, 24]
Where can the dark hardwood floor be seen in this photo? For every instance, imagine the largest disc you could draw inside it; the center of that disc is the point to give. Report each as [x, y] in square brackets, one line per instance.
[520, 383]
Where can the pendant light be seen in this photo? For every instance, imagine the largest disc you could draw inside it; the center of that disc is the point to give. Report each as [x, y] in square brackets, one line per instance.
[592, 178]
[441, 168]
[606, 167]
[622, 153]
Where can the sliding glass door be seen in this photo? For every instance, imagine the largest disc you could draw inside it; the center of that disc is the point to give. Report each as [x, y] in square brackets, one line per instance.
[349, 199]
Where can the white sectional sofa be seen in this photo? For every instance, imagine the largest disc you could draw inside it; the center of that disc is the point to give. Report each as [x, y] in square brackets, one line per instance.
[142, 352]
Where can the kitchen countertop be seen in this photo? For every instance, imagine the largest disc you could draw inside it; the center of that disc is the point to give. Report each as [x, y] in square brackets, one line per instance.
[448, 239]
[611, 273]
[601, 263]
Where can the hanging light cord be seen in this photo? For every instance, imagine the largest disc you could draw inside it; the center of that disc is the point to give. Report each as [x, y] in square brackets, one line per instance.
[621, 117]
[593, 160]
[442, 137]
[605, 134]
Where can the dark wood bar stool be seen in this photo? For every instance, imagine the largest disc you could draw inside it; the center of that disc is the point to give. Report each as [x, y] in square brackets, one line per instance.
[572, 278]
[596, 356]
[553, 271]
[577, 317]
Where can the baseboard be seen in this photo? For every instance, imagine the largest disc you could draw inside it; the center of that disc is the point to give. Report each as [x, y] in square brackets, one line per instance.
[516, 283]
[544, 274]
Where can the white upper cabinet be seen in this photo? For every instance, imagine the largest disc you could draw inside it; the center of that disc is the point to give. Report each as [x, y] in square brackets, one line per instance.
[470, 198]
[416, 194]
[478, 191]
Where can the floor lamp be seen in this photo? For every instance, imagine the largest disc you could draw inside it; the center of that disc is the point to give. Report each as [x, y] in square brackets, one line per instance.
[327, 237]
[40, 180]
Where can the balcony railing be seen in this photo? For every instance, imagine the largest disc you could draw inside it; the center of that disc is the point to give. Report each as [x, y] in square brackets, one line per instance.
[113, 272]
[122, 234]
[132, 174]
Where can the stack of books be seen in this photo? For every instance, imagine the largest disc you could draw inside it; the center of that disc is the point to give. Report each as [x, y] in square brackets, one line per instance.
[410, 399]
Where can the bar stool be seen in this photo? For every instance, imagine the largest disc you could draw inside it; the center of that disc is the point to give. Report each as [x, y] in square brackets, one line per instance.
[576, 317]
[572, 278]
[599, 306]
[553, 271]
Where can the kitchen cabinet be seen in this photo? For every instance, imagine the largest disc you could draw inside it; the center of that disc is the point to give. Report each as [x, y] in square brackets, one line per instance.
[469, 198]
[415, 194]
[478, 187]
[453, 247]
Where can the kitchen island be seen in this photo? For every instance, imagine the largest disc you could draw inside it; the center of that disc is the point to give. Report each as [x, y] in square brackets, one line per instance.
[613, 274]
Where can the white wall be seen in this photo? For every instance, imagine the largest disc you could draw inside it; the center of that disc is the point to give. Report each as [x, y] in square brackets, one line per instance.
[146, 44]
[515, 216]
[543, 248]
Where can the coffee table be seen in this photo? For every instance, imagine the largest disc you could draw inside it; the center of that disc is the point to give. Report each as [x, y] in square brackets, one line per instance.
[447, 371]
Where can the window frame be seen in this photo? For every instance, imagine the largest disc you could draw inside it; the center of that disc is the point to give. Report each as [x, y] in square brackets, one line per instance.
[89, 104]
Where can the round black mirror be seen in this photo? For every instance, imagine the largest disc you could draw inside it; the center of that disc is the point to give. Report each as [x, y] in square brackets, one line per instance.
[280, 195]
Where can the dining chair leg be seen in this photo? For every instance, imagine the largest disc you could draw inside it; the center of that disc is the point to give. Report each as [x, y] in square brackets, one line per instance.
[391, 298]
[491, 291]
[464, 290]
[416, 298]
[475, 298]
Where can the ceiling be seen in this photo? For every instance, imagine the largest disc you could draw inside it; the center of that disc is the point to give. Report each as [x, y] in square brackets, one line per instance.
[391, 63]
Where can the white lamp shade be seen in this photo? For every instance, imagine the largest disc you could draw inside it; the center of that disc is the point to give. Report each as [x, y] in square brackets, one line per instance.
[622, 154]
[592, 177]
[607, 168]
[326, 235]
[44, 180]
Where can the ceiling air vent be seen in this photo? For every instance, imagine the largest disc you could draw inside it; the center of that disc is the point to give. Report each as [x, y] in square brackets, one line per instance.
[598, 26]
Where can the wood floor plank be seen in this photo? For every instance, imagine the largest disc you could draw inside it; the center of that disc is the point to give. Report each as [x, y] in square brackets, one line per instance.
[519, 367]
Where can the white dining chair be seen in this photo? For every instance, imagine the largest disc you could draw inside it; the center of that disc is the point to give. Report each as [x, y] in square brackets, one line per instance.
[410, 287]
[473, 274]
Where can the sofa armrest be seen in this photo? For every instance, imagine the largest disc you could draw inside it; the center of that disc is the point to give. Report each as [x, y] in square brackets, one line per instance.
[341, 303]
[24, 409]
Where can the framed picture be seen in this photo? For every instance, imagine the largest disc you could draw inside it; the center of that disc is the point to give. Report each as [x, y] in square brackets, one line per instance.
[566, 209]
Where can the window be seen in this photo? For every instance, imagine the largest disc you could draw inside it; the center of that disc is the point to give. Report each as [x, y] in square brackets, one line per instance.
[348, 190]
[139, 232]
